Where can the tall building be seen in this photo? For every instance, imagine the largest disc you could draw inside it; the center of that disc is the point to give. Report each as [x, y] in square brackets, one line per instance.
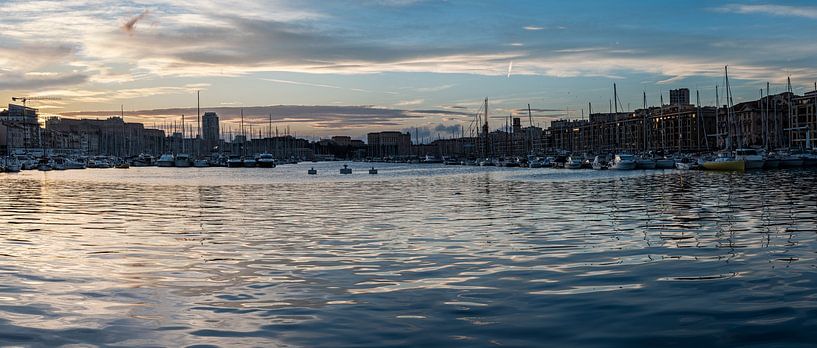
[389, 144]
[679, 96]
[210, 130]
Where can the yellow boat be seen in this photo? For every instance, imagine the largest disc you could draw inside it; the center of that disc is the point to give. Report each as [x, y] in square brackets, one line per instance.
[725, 164]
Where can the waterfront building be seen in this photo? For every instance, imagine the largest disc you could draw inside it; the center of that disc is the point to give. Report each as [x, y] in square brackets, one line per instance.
[210, 131]
[111, 136]
[342, 140]
[19, 129]
[389, 144]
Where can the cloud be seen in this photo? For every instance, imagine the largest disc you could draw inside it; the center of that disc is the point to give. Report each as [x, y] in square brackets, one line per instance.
[29, 82]
[321, 117]
[774, 10]
[533, 28]
[128, 27]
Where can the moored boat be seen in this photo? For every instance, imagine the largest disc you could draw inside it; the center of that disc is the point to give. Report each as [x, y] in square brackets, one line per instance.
[166, 160]
[623, 161]
[724, 163]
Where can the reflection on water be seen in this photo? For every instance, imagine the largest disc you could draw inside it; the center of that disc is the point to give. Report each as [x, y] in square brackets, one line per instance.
[412, 256]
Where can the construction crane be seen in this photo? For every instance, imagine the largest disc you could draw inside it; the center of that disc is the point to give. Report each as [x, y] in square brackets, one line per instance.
[24, 99]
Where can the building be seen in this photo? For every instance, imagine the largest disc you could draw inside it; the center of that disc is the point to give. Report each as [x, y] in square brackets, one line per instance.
[342, 140]
[20, 129]
[210, 130]
[679, 96]
[111, 136]
[389, 144]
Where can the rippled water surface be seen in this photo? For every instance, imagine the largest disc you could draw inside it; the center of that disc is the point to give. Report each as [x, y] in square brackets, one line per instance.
[416, 255]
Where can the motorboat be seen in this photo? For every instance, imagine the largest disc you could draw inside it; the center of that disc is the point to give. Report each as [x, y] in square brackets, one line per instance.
[200, 163]
[143, 160]
[790, 160]
[13, 165]
[44, 165]
[751, 157]
[58, 163]
[166, 160]
[265, 160]
[573, 163]
[122, 165]
[74, 164]
[183, 160]
[623, 161]
[345, 170]
[101, 162]
[429, 159]
[772, 161]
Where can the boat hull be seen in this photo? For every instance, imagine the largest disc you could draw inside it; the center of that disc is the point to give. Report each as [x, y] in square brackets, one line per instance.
[665, 164]
[265, 164]
[754, 164]
[645, 164]
[736, 165]
[164, 164]
[791, 162]
[771, 164]
[623, 166]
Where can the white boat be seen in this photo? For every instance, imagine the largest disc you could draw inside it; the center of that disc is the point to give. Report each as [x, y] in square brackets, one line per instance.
[599, 163]
[623, 161]
[431, 159]
[101, 162]
[686, 163]
[183, 160]
[573, 163]
[200, 163]
[166, 160]
[752, 159]
[143, 161]
[265, 160]
[74, 164]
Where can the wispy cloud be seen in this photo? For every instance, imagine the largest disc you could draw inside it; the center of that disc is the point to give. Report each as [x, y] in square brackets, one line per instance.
[533, 28]
[768, 9]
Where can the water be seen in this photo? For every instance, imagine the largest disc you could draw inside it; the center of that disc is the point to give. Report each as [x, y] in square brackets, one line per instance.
[413, 256]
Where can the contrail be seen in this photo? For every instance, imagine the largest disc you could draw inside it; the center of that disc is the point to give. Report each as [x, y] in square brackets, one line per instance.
[510, 67]
[128, 27]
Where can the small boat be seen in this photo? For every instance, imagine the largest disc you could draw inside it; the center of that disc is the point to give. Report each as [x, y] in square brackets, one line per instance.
[664, 163]
[44, 165]
[724, 162]
[573, 163]
[772, 161]
[645, 162]
[431, 159]
[101, 162]
[235, 162]
[809, 159]
[166, 160]
[249, 163]
[143, 161]
[122, 165]
[74, 164]
[265, 160]
[623, 161]
[686, 163]
[312, 171]
[752, 159]
[13, 166]
[599, 164]
[345, 170]
[372, 171]
[183, 160]
[200, 163]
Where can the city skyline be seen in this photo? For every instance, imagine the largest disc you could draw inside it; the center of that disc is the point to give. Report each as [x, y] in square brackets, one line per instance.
[354, 67]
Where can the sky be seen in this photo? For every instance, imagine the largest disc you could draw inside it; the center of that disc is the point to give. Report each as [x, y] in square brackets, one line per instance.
[327, 68]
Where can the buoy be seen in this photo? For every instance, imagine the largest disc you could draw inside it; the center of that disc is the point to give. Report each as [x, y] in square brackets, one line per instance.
[372, 171]
[312, 171]
[345, 170]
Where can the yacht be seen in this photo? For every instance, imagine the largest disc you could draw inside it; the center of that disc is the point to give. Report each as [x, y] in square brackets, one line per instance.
[183, 160]
[772, 160]
[58, 163]
[200, 163]
[101, 162]
[752, 159]
[44, 165]
[686, 163]
[265, 160]
[431, 159]
[809, 159]
[13, 165]
[664, 163]
[166, 160]
[623, 161]
[789, 160]
[143, 161]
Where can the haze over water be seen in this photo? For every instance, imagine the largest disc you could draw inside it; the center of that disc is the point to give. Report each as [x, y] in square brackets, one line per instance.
[416, 255]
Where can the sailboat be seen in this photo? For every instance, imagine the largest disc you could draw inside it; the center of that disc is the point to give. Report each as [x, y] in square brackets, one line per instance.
[724, 161]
